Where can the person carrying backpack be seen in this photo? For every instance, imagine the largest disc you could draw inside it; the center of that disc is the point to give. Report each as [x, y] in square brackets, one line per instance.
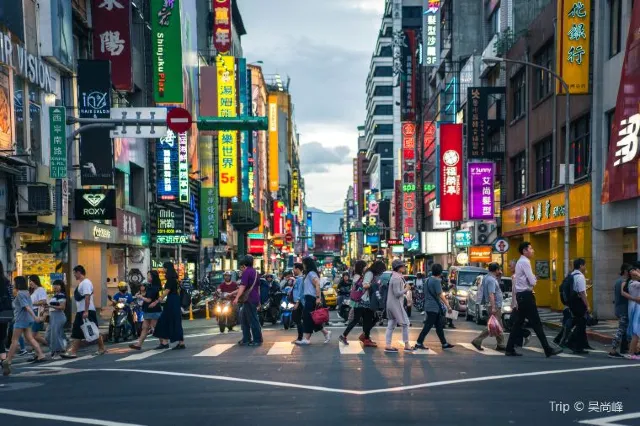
[579, 306]
[566, 294]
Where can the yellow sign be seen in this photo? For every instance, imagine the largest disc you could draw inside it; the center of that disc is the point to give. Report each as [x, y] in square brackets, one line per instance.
[548, 212]
[274, 180]
[574, 51]
[227, 141]
[295, 190]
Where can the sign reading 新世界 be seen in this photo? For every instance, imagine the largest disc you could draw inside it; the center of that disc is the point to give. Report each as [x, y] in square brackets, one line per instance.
[167, 51]
[170, 226]
[227, 140]
[95, 204]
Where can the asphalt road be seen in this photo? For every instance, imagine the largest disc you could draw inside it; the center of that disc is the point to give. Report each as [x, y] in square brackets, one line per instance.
[215, 382]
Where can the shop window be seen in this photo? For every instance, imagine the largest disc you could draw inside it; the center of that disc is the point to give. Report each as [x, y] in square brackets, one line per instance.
[580, 145]
[518, 95]
[383, 91]
[383, 72]
[518, 165]
[383, 110]
[544, 80]
[35, 114]
[544, 165]
[494, 22]
[18, 106]
[386, 51]
[615, 30]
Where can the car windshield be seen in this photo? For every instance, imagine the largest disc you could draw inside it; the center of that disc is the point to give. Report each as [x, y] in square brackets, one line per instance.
[467, 278]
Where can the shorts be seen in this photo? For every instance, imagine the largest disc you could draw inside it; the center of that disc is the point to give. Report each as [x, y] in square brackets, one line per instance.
[22, 325]
[152, 315]
[76, 331]
[37, 326]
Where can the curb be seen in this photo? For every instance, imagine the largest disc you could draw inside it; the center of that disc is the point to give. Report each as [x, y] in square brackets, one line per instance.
[592, 335]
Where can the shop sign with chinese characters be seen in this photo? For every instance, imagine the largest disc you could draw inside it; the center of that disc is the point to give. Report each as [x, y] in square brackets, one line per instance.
[167, 158]
[112, 39]
[227, 140]
[480, 190]
[574, 28]
[167, 51]
[451, 169]
[129, 226]
[170, 226]
[408, 178]
[475, 133]
[295, 187]
[222, 25]
[58, 142]
[431, 33]
[183, 168]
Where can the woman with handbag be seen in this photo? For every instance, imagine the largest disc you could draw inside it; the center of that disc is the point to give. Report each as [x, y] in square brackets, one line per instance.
[169, 327]
[355, 296]
[396, 313]
[312, 303]
[57, 319]
[436, 306]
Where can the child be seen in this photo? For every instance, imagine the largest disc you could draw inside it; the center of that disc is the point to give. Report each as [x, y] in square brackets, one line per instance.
[24, 317]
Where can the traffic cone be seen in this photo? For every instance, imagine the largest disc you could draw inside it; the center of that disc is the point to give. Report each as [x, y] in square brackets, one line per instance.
[191, 312]
[206, 307]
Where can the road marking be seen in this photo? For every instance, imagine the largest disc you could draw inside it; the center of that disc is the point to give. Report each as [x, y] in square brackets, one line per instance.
[216, 350]
[561, 355]
[81, 420]
[486, 351]
[607, 421]
[348, 391]
[353, 348]
[69, 361]
[142, 355]
[281, 348]
[417, 351]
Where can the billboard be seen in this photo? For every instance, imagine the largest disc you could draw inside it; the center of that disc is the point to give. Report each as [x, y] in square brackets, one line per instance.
[310, 230]
[227, 140]
[450, 160]
[328, 242]
[278, 217]
[408, 178]
[170, 226]
[95, 204]
[480, 187]
[222, 38]
[166, 42]
[112, 39]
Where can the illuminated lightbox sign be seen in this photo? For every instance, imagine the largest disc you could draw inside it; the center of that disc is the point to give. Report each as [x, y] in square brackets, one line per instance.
[167, 161]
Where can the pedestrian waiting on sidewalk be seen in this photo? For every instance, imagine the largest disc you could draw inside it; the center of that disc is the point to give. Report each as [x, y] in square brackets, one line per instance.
[436, 306]
[169, 326]
[491, 295]
[396, 314]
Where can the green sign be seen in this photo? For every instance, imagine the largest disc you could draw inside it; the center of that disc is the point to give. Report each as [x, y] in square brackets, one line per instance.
[58, 142]
[428, 187]
[166, 40]
[209, 212]
[409, 187]
[172, 239]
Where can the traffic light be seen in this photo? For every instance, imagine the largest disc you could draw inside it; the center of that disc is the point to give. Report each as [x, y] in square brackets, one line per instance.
[58, 242]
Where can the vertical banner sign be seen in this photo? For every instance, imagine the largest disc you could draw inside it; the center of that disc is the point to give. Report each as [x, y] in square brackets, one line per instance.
[574, 32]
[480, 191]
[409, 79]
[112, 39]
[431, 33]
[476, 138]
[167, 51]
[167, 161]
[222, 25]
[183, 168]
[438, 169]
[208, 212]
[451, 172]
[245, 107]
[408, 178]
[58, 142]
[94, 101]
[274, 181]
[310, 241]
[227, 140]
[295, 188]
[278, 217]
[622, 173]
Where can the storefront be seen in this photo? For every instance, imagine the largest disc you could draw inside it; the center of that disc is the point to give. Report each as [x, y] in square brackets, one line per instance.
[541, 222]
[34, 257]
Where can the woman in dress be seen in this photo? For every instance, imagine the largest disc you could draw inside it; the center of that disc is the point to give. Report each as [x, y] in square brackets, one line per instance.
[633, 288]
[169, 327]
[57, 319]
[396, 314]
[312, 301]
[150, 296]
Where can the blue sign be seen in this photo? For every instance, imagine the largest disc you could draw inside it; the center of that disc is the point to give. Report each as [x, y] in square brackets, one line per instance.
[411, 242]
[167, 161]
[462, 238]
[372, 240]
[310, 242]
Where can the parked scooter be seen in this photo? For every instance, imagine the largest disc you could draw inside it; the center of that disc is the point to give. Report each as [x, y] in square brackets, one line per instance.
[119, 325]
[263, 311]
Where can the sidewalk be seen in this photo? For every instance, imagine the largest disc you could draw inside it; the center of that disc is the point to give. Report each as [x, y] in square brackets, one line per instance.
[602, 333]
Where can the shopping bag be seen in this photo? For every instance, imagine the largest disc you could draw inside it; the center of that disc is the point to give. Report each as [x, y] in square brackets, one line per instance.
[320, 316]
[494, 327]
[90, 331]
[453, 315]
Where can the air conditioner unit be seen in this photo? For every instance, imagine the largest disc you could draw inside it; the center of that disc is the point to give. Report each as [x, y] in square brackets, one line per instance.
[27, 175]
[35, 199]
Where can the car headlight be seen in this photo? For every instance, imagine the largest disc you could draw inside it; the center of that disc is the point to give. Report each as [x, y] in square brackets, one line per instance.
[283, 305]
[225, 309]
[507, 309]
[120, 305]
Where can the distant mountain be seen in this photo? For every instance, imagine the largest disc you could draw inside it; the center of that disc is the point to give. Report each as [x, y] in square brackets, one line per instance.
[325, 222]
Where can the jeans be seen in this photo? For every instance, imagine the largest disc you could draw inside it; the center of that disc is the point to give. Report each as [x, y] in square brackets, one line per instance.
[250, 324]
[391, 326]
[367, 321]
[527, 310]
[433, 318]
[621, 334]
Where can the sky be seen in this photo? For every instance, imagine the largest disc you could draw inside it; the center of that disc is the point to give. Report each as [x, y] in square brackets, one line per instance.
[325, 47]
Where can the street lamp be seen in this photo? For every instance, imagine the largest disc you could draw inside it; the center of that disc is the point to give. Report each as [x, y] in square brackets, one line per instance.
[567, 147]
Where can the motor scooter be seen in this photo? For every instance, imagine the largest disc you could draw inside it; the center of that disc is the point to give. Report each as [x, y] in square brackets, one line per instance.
[224, 311]
[286, 308]
[119, 325]
[344, 309]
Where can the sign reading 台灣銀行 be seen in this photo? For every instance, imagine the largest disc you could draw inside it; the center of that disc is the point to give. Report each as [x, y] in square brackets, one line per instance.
[574, 29]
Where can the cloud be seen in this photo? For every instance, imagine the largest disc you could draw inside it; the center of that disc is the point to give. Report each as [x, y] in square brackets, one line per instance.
[317, 158]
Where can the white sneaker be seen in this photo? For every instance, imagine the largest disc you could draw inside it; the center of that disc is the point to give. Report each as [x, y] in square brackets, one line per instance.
[327, 337]
[302, 342]
[526, 341]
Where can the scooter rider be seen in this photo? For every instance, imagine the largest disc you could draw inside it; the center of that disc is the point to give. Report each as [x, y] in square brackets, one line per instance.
[344, 288]
[123, 295]
[228, 290]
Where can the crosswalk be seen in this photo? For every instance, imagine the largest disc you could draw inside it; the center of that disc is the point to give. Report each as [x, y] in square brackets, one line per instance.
[287, 348]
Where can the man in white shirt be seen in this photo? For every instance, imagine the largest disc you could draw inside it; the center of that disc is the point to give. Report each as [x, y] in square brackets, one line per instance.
[85, 310]
[523, 286]
[579, 306]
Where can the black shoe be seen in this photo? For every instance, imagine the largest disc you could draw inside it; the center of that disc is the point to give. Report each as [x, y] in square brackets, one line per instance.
[161, 346]
[552, 352]
[420, 346]
[512, 353]
[255, 344]
[588, 347]
[452, 326]
[179, 346]
[447, 346]
[501, 348]
[243, 343]
[477, 346]
[580, 352]
[615, 355]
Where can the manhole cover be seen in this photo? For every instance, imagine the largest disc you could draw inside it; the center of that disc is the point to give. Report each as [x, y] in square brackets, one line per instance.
[6, 387]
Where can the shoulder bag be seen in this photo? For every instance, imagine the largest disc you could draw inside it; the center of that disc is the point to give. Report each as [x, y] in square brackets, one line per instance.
[443, 307]
[357, 290]
[245, 294]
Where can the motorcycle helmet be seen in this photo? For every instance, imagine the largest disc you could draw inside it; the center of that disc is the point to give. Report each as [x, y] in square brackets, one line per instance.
[122, 286]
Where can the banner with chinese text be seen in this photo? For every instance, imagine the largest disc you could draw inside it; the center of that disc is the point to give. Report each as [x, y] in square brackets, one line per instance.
[227, 140]
[112, 39]
[480, 178]
[450, 160]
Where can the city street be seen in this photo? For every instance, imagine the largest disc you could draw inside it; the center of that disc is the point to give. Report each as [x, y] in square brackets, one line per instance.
[214, 381]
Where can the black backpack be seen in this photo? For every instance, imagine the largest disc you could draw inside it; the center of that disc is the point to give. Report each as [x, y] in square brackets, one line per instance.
[567, 294]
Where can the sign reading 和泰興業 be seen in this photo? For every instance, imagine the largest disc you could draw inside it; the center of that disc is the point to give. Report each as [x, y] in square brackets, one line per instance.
[574, 32]
[95, 204]
[166, 39]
